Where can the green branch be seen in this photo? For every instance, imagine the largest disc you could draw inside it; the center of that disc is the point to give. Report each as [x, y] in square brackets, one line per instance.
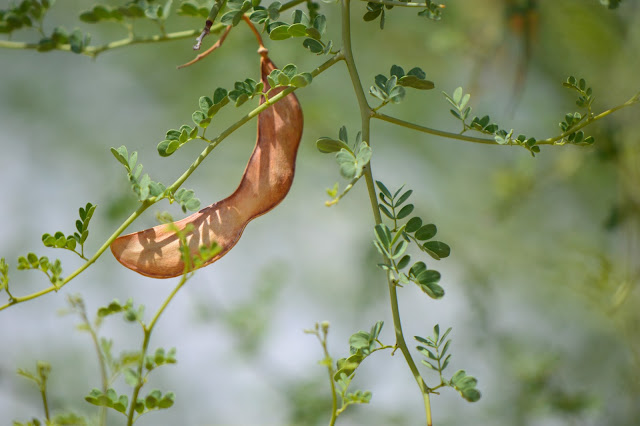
[366, 114]
[94, 51]
[398, 3]
[549, 141]
[149, 202]
[148, 329]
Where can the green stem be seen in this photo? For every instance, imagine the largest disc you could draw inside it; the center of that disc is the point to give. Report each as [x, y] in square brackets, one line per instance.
[366, 113]
[94, 51]
[548, 141]
[45, 403]
[334, 396]
[101, 362]
[145, 346]
[397, 3]
[149, 202]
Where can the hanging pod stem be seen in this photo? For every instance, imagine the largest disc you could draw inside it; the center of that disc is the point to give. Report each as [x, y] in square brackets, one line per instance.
[155, 252]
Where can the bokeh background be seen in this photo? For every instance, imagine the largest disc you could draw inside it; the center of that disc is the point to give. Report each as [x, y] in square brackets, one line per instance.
[541, 287]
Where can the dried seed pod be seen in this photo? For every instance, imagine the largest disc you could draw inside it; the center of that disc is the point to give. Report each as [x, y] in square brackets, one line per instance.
[266, 181]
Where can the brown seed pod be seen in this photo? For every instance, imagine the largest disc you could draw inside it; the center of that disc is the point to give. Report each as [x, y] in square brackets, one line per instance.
[155, 252]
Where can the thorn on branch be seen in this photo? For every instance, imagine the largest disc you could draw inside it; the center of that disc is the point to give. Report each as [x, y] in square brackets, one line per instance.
[203, 34]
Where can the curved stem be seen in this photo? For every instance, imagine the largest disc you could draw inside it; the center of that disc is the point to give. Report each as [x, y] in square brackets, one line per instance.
[400, 3]
[366, 113]
[431, 131]
[148, 329]
[172, 188]
[94, 51]
[101, 360]
[549, 141]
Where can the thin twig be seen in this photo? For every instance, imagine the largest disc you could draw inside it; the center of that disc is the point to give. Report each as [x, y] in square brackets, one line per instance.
[209, 50]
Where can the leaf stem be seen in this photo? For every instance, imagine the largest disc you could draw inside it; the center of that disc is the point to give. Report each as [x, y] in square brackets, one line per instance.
[399, 3]
[93, 51]
[548, 141]
[101, 360]
[366, 114]
[148, 329]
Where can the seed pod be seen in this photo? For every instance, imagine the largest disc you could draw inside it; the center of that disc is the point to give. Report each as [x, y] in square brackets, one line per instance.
[155, 252]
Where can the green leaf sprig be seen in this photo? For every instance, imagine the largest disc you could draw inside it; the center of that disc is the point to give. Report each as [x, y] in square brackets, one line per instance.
[53, 270]
[351, 159]
[391, 89]
[393, 244]
[302, 26]
[437, 359]
[376, 9]
[58, 240]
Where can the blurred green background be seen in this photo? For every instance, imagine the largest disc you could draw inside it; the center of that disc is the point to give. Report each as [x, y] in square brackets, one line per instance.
[542, 283]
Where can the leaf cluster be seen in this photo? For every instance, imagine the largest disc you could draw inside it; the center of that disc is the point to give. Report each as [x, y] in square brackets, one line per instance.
[53, 270]
[192, 9]
[30, 14]
[571, 120]
[142, 185]
[237, 8]
[27, 13]
[459, 100]
[242, 91]
[109, 399]
[393, 244]
[58, 240]
[151, 362]
[586, 98]
[465, 385]
[4, 274]
[129, 311]
[288, 77]
[611, 4]
[40, 377]
[132, 10]
[391, 89]
[361, 345]
[302, 26]
[160, 358]
[350, 159]
[375, 10]
[155, 400]
[437, 359]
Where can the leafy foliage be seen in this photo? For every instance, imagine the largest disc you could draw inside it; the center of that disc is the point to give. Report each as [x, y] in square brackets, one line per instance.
[361, 345]
[572, 120]
[288, 77]
[131, 10]
[302, 26]
[351, 159]
[376, 9]
[27, 13]
[58, 240]
[110, 399]
[437, 359]
[391, 89]
[30, 14]
[393, 244]
[142, 186]
[4, 275]
[53, 270]
[611, 4]
[237, 8]
[192, 9]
